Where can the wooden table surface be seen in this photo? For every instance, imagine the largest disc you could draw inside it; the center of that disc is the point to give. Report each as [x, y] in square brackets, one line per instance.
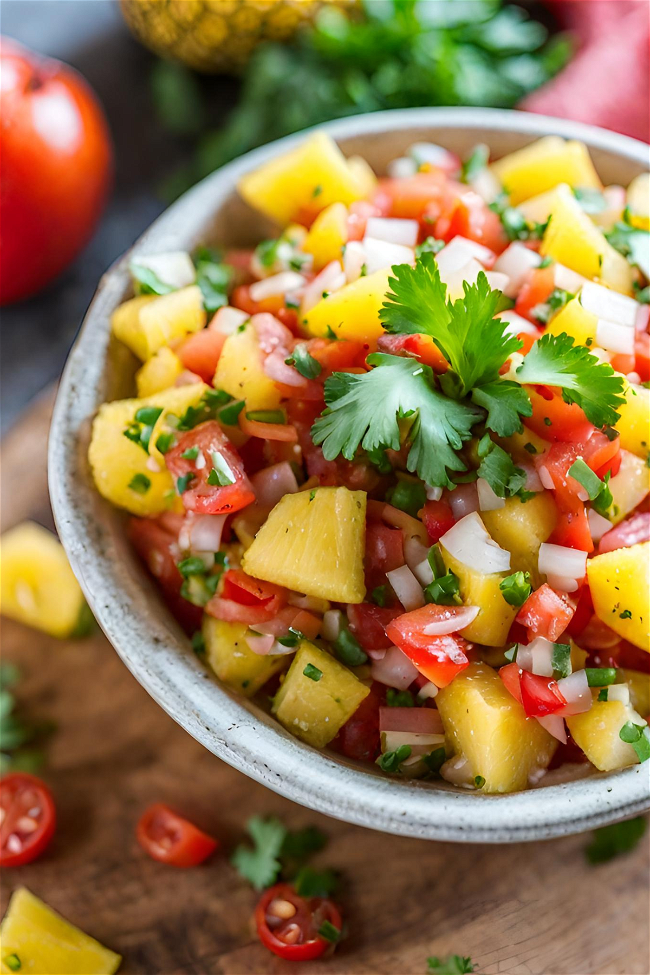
[529, 909]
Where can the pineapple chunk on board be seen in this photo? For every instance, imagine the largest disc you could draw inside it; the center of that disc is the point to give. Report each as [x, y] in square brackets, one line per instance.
[489, 727]
[46, 944]
[233, 661]
[620, 583]
[597, 732]
[313, 542]
[145, 324]
[315, 707]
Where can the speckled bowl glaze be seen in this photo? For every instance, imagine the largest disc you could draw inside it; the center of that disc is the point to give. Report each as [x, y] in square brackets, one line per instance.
[126, 603]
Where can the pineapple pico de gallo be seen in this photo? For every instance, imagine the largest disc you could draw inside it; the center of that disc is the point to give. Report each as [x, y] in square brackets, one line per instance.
[390, 468]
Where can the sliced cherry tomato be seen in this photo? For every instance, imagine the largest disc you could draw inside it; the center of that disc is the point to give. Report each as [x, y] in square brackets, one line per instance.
[215, 452]
[28, 818]
[158, 549]
[511, 677]
[410, 196]
[368, 623]
[359, 736]
[540, 696]
[631, 531]
[470, 217]
[440, 658]
[535, 291]
[545, 613]
[384, 552]
[246, 600]
[200, 352]
[438, 518]
[172, 839]
[288, 925]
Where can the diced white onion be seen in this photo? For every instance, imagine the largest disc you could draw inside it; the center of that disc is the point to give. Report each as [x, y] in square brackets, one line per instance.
[576, 692]
[633, 377]
[541, 652]
[497, 281]
[608, 304]
[562, 583]
[330, 279]
[402, 168]
[260, 644]
[459, 251]
[414, 551]
[463, 500]
[524, 657]
[174, 268]
[315, 604]
[277, 284]
[227, 320]
[554, 724]
[423, 572]
[272, 483]
[486, 185]
[454, 279]
[545, 477]
[407, 588]
[353, 260]
[619, 692]
[393, 230]
[516, 324]
[597, 525]
[642, 318]
[469, 542]
[331, 624]
[201, 533]
[516, 261]
[614, 337]
[394, 669]
[429, 690]
[533, 480]
[566, 279]
[487, 499]
[558, 560]
[457, 619]
[433, 493]
[381, 254]
[153, 465]
[601, 354]
[429, 153]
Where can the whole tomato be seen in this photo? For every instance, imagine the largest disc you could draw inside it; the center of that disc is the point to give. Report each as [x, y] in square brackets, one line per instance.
[56, 168]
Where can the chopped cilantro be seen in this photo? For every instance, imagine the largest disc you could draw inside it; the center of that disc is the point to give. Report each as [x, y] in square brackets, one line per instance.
[292, 639]
[313, 673]
[514, 222]
[329, 932]
[191, 453]
[408, 495]
[451, 965]
[516, 588]
[445, 588]
[435, 760]
[315, 883]
[260, 865]
[378, 595]
[213, 278]
[304, 362]
[221, 473]
[429, 246]
[230, 413]
[391, 761]
[184, 481]
[592, 201]
[140, 483]
[506, 402]
[498, 468]
[557, 299]
[148, 415]
[603, 695]
[625, 615]
[612, 841]
[600, 676]
[561, 660]
[475, 163]
[147, 281]
[631, 242]
[193, 565]
[347, 647]
[299, 844]
[165, 442]
[399, 699]
[638, 736]
[479, 781]
[198, 644]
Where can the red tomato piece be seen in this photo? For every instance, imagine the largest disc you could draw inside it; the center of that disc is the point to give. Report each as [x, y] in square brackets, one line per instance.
[469, 216]
[288, 925]
[358, 214]
[438, 518]
[335, 356]
[572, 528]
[28, 818]
[421, 347]
[246, 600]
[555, 420]
[384, 552]
[540, 695]
[218, 453]
[536, 290]
[368, 623]
[642, 356]
[200, 352]
[172, 839]
[583, 613]
[631, 531]
[440, 658]
[511, 677]
[410, 196]
[545, 613]
[359, 736]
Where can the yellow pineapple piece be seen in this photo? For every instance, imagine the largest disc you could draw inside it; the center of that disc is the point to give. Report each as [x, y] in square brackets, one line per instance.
[629, 486]
[313, 542]
[317, 696]
[521, 529]
[312, 176]
[328, 234]
[37, 585]
[538, 209]
[620, 583]
[38, 941]
[233, 661]
[638, 201]
[481, 589]
[576, 321]
[519, 445]
[597, 732]
[542, 165]
[115, 460]
[352, 312]
[634, 423]
[572, 239]
[159, 372]
[639, 687]
[489, 727]
[240, 373]
[364, 175]
[145, 324]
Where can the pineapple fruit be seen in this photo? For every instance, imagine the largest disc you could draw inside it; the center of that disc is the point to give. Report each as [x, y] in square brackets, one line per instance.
[634, 424]
[543, 165]
[629, 486]
[576, 321]
[353, 312]
[481, 589]
[35, 939]
[317, 696]
[145, 324]
[597, 732]
[240, 373]
[327, 236]
[159, 372]
[37, 586]
[638, 201]
[639, 687]
[521, 529]
[313, 542]
[233, 661]
[488, 726]
[620, 582]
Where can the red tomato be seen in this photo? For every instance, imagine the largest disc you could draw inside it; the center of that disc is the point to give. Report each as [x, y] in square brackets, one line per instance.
[582, 615]
[631, 531]
[421, 347]
[28, 818]
[540, 696]
[214, 448]
[368, 623]
[440, 658]
[170, 838]
[642, 356]
[293, 934]
[200, 352]
[56, 168]
[572, 528]
[358, 215]
[469, 216]
[545, 613]
[334, 356]
[438, 518]
[158, 549]
[384, 552]
[246, 600]
[554, 420]
[535, 291]
[359, 736]
[275, 306]
[511, 677]
[410, 196]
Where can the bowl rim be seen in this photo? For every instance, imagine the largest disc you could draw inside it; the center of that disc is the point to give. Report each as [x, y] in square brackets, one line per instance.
[168, 670]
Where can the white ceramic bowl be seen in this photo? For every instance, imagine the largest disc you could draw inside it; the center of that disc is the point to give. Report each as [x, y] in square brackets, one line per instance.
[126, 602]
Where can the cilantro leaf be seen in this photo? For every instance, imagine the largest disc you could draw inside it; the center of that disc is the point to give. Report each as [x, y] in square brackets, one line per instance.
[555, 361]
[498, 468]
[260, 865]
[516, 588]
[315, 883]
[213, 278]
[147, 281]
[506, 402]
[363, 410]
[451, 965]
[305, 363]
[638, 736]
[632, 243]
[301, 843]
[475, 163]
[612, 841]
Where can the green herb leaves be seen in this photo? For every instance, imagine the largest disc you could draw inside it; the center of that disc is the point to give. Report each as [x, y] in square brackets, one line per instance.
[498, 469]
[632, 243]
[597, 490]
[213, 278]
[612, 841]
[451, 965]
[261, 865]
[516, 588]
[304, 362]
[638, 736]
[277, 850]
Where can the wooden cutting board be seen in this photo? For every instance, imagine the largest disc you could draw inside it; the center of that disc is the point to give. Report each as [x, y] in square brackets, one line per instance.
[529, 909]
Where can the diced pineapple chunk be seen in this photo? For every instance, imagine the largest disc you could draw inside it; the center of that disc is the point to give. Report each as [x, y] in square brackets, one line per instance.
[572, 239]
[313, 542]
[481, 589]
[353, 312]
[233, 661]
[364, 175]
[537, 209]
[638, 201]
[145, 324]
[312, 176]
[522, 446]
[44, 942]
[521, 529]
[159, 372]
[542, 165]
[620, 582]
[489, 727]
[576, 321]
[629, 486]
[315, 707]
[37, 586]
[327, 235]
[240, 373]
[639, 687]
[115, 460]
[634, 424]
[597, 732]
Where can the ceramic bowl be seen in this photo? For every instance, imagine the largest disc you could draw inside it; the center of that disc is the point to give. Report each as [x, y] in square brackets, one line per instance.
[127, 605]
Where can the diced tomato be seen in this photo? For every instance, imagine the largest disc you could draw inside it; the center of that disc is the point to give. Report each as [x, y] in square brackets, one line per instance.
[368, 623]
[511, 677]
[583, 613]
[545, 613]
[572, 528]
[172, 839]
[622, 363]
[540, 695]
[384, 552]
[358, 214]
[28, 818]
[469, 216]
[421, 347]
[438, 518]
[335, 356]
[275, 306]
[295, 938]
[410, 196]
[359, 736]
[440, 658]
[158, 549]
[200, 352]
[555, 420]
[218, 453]
[642, 356]
[631, 531]
[536, 290]
[246, 600]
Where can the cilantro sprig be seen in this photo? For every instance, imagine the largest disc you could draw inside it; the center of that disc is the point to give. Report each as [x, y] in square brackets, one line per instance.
[277, 851]
[451, 965]
[612, 841]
